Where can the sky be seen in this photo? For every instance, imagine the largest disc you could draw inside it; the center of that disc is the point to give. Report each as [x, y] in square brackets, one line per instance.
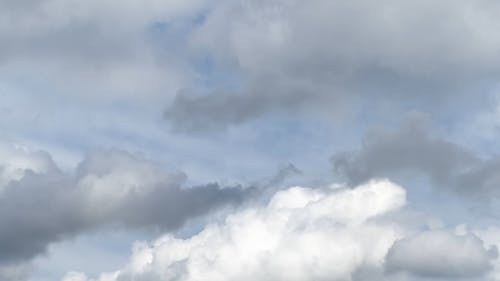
[219, 140]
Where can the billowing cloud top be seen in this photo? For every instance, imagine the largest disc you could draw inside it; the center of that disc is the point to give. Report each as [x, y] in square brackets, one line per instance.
[311, 234]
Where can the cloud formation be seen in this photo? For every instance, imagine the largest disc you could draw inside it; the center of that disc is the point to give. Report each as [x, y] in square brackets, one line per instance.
[307, 234]
[102, 49]
[441, 254]
[321, 55]
[15, 272]
[312, 75]
[40, 204]
[414, 149]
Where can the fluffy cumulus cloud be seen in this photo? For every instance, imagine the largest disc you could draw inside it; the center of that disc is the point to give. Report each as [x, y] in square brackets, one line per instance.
[322, 54]
[39, 204]
[311, 234]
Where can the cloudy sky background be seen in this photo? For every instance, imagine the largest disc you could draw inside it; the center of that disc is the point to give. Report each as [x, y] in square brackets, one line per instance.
[249, 140]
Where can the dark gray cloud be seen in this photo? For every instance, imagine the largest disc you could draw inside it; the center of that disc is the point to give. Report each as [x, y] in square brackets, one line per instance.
[109, 189]
[414, 149]
[294, 54]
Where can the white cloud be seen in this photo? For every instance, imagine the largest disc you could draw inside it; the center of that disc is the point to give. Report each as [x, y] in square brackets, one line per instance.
[302, 234]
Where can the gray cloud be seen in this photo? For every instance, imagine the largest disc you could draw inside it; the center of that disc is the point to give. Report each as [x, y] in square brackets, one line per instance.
[414, 149]
[101, 49]
[15, 272]
[213, 112]
[109, 189]
[440, 254]
[94, 32]
[321, 55]
[326, 234]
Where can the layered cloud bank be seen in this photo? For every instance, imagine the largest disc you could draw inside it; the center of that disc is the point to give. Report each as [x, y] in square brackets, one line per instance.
[40, 204]
[313, 234]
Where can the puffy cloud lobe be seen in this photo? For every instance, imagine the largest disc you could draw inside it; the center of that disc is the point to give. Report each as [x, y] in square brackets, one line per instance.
[306, 234]
[109, 188]
[315, 55]
[413, 148]
[441, 254]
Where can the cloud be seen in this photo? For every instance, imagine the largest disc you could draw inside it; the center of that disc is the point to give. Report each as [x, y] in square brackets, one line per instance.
[101, 32]
[441, 254]
[15, 272]
[491, 236]
[282, 55]
[101, 72]
[323, 55]
[302, 234]
[108, 189]
[17, 160]
[190, 113]
[284, 173]
[414, 149]
[102, 49]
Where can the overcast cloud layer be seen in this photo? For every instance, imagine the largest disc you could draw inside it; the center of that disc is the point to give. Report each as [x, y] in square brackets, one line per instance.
[126, 120]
